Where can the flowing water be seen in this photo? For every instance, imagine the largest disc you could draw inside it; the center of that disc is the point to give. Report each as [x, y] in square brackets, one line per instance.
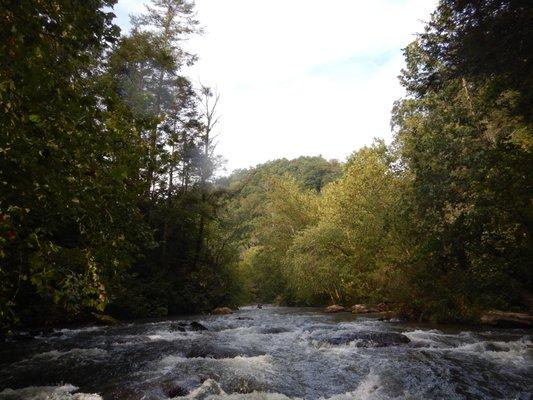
[273, 353]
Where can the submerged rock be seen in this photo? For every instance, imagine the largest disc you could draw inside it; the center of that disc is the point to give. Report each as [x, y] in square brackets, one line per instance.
[203, 349]
[503, 319]
[335, 308]
[367, 339]
[172, 390]
[179, 327]
[184, 327]
[209, 388]
[196, 326]
[222, 311]
[274, 330]
[388, 316]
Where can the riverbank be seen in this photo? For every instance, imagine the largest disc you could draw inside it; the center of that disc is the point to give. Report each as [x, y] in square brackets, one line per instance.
[495, 318]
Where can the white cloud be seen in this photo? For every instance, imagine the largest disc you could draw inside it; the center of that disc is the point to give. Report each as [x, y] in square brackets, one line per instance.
[302, 77]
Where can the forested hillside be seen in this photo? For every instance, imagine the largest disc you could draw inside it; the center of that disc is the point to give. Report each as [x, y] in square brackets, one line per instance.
[110, 200]
[438, 224]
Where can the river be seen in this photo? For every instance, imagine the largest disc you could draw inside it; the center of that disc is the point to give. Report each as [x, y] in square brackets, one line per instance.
[272, 353]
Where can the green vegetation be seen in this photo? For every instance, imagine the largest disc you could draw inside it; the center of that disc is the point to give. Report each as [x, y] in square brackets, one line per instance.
[108, 201]
[437, 225]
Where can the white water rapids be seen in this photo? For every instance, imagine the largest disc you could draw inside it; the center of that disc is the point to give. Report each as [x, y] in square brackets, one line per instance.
[273, 353]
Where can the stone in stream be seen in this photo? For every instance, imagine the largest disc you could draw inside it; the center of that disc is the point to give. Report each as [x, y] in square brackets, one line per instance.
[196, 326]
[364, 309]
[209, 388]
[179, 327]
[184, 327]
[206, 349]
[274, 330]
[172, 390]
[222, 311]
[367, 339]
[335, 308]
[388, 316]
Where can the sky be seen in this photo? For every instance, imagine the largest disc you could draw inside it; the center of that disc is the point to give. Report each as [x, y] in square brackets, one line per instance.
[299, 77]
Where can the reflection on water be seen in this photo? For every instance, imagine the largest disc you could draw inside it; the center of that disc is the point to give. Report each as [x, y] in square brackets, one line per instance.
[273, 353]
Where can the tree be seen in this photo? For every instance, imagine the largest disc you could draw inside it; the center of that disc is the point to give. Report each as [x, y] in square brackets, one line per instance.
[166, 23]
[264, 210]
[66, 204]
[287, 210]
[480, 41]
[465, 138]
[344, 257]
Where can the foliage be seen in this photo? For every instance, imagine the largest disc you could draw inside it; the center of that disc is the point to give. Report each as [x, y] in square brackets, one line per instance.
[267, 207]
[437, 225]
[65, 202]
[109, 201]
[356, 235]
[104, 171]
[465, 136]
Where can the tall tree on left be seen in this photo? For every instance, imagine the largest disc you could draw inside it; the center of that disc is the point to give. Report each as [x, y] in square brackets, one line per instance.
[67, 170]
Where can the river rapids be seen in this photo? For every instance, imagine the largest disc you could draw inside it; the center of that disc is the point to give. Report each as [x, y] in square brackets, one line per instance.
[269, 353]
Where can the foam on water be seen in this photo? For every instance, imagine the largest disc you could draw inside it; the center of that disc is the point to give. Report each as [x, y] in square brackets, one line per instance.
[211, 390]
[519, 350]
[75, 353]
[369, 388]
[272, 354]
[63, 392]
[73, 332]
[259, 362]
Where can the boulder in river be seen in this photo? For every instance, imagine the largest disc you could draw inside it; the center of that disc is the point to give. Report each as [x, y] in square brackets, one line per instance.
[335, 308]
[105, 319]
[209, 388]
[196, 326]
[222, 311]
[274, 330]
[179, 327]
[367, 338]
[388, 316]
[184, 327]
[503, 319]
[208, 349]
[364, 309]
[172, 390]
